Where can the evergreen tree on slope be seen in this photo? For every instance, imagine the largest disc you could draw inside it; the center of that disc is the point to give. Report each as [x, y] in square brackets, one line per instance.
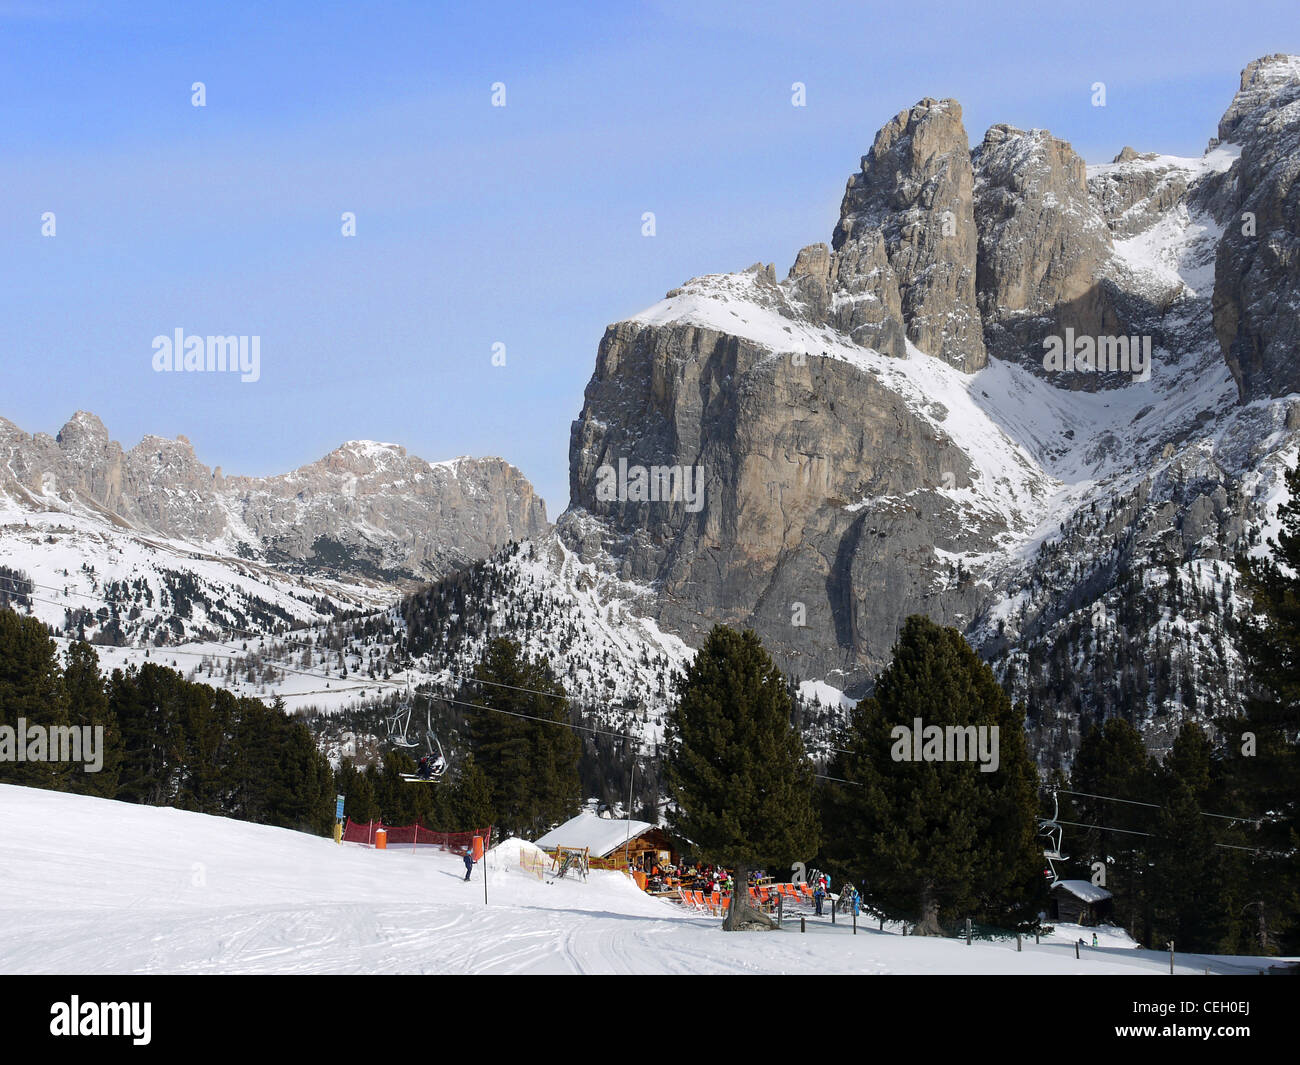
[735, 767]
[936, 839]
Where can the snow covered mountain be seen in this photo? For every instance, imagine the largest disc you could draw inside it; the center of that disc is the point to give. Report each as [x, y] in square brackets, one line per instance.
[1045, 402]
[149, 546]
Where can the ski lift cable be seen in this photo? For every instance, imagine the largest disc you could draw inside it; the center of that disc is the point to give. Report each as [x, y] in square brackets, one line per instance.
[1153, 806]
[164, 652]
[511, 687]
[584, 728]
[1131, 832]
[460, 677]
[526, 717]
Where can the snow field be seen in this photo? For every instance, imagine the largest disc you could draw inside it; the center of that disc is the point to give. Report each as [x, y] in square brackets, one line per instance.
[97, 886]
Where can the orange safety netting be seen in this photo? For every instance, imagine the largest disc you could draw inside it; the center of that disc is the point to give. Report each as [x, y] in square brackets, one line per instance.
[412, 835]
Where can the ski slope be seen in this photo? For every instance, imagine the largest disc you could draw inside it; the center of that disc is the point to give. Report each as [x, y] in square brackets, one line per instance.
[96, 886]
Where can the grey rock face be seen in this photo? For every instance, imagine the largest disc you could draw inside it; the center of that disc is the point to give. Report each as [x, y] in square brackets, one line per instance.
[821, 511]
[1041, 243]
[906, 234]
[1265, 82]
[365, 508]
[1132, 198]
[404, 514]
[1257, 269]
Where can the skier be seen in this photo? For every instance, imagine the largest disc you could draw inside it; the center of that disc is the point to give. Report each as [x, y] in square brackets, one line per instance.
[469, 863]
[819, 893]
[1094, 939]
[425, 768]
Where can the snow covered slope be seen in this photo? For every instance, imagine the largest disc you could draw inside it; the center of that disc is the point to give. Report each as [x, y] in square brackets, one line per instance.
[96, 886]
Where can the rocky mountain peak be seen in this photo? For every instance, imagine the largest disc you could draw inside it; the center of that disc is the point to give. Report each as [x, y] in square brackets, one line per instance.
[1127, 155]
[906, 243]
[878, 434]
[1265, 83]
[1041, 242]
[366, 507]
[83, 431]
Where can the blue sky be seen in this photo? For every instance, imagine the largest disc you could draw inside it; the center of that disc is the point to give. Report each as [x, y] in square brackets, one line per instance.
[479, 225]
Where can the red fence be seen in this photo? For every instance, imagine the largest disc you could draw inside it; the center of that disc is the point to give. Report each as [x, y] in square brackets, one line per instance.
[361, 832]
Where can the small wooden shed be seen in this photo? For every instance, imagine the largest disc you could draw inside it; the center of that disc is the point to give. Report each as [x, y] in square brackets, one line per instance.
[1080, 902]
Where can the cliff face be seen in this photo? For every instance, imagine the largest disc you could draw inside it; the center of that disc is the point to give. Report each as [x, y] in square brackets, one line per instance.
[879, 434]
[823, 490]
[1042, 242]
[1257, 268]
[366, 508]
[906, 244]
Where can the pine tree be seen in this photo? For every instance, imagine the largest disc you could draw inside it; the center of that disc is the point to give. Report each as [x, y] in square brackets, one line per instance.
[1186, 882]
[522, 740]
[1263, 743]
[735, 767]
[471, 798]
[32, 693]
[88, 708]
[358, 791]
[936, 837]
[1112, 762]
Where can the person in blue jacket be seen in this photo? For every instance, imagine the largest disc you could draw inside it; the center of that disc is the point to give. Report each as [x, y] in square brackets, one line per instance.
[469, 863]
[819, 893]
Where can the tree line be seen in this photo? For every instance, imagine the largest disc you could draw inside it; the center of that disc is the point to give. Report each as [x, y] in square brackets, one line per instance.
[166, 741]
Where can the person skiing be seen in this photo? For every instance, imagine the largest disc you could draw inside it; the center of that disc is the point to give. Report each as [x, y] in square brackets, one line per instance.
[469, 863]
[1094, 939]
[819, 893]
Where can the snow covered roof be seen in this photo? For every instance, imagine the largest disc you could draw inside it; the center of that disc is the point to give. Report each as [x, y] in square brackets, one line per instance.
[601, 834]
[1083, 889]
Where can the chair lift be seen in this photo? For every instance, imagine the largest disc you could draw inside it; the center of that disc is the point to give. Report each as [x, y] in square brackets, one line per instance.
[400, 722]
[1051, 828]
[433, 766]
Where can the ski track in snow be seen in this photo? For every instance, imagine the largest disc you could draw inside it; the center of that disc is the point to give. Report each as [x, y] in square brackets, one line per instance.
[97, 886]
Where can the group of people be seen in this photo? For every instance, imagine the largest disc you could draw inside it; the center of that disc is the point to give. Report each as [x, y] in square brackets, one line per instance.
[658, 874]
[708, 878]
